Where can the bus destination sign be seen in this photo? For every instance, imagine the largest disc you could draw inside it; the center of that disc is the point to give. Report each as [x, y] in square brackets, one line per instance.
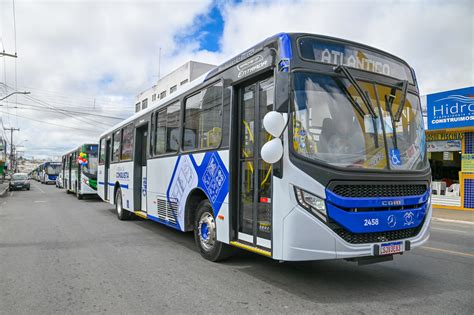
[353, 57]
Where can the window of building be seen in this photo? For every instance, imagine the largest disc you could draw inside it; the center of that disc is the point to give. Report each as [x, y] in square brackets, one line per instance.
[203, 119]
[127, 143]
[184, 82]
[162, 94]
[167, 129]
[173, 88]
[145, 103]
[153, 97]
[137, 107]
[116, 146]
[102, 151]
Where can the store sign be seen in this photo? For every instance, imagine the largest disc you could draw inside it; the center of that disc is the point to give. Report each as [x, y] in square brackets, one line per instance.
[444, 146]
[443, 136]
[451, 109]
[467, 163]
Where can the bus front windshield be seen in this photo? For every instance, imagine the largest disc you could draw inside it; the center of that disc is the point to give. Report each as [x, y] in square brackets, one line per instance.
[331, 123]
[53, 169]
[90, 169]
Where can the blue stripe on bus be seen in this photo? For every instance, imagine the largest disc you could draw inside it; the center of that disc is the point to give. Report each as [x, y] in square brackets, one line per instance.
[285, 42]
[167, 223]
[113, 184]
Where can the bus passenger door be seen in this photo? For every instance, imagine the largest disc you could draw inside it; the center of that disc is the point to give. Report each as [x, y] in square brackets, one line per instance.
[140, 171]
[255, 176]
[71, 157]
[107, 168]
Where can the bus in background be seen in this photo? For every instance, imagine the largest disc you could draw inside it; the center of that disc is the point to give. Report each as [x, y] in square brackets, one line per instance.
[34, 174]
[48, 171]
[303, 147]
[79, 170]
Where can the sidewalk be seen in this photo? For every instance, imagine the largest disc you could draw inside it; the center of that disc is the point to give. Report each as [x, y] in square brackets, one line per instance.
[451, 214]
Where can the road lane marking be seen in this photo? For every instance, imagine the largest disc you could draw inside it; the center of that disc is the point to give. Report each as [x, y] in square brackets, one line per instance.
[452, 221]
[447, 251]
[449, 230]
[38, 201]
[36, 186]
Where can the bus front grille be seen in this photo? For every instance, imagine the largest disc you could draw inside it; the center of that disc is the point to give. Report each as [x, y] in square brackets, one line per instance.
[364, 238]
[379, 190]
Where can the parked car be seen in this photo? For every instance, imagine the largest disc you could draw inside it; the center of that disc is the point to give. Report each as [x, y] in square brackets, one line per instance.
[19, 181]
[59, 181]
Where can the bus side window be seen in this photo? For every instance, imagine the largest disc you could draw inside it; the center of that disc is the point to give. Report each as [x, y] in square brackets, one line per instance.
[102, 151]
[116, 146]
[127, 143]
[203, 119]
[167, 129]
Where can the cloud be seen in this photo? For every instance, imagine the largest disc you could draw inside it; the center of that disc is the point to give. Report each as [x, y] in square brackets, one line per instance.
[76, 53]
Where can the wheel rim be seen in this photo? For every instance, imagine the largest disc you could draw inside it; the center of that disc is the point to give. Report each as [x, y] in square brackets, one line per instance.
[119, 204]
[207, 231]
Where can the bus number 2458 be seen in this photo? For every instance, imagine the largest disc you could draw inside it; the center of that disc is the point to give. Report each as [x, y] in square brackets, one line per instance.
[370, 222]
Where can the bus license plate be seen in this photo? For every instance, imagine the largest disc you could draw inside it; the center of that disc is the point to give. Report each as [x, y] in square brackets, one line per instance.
[391, 248]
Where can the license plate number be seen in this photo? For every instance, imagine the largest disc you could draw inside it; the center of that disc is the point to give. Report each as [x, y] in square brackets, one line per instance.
[391, 248]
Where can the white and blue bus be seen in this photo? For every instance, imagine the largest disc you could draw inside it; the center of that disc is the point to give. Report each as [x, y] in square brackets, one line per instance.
[48, 171]
[79, 171]
[303, 147]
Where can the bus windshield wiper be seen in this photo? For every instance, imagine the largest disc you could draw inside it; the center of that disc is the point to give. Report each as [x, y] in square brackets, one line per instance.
[343, 69]
[389, 99]
[401, 106]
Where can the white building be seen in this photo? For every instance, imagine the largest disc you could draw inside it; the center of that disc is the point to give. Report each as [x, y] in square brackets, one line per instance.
[170, 83]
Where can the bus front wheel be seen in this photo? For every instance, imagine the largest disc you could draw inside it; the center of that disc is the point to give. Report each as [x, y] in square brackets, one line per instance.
[205, 235]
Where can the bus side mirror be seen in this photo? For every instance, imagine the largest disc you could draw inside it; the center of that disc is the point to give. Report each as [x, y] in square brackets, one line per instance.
[274, 124]
[282, 91]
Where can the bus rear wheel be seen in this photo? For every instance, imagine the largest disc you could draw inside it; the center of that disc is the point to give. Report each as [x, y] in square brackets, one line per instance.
[206, 237]
[122, 214]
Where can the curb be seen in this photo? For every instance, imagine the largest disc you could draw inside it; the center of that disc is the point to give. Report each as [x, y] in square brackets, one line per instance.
[452, 221]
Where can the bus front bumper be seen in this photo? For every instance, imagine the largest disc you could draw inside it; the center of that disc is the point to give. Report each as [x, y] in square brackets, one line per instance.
[314, 240]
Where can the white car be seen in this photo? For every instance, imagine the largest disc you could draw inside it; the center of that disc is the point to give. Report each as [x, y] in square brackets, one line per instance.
[59, 181]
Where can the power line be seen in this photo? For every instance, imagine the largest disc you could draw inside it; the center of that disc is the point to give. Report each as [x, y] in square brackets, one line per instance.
[44, 109]
[52, 124]
[58, 110]
[69, 98]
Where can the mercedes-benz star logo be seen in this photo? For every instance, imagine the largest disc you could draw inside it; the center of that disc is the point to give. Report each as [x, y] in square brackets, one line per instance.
[391, 221]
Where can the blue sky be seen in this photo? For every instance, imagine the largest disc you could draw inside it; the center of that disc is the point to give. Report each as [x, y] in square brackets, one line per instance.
[207, 29]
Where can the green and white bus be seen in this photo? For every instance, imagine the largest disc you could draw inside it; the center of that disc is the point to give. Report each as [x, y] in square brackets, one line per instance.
[79, 171]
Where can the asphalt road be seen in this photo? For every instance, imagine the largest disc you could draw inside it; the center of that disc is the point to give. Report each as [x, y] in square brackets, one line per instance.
[62, 255]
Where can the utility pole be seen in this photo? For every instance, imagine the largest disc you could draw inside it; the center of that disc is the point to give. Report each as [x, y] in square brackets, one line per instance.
[12, 157]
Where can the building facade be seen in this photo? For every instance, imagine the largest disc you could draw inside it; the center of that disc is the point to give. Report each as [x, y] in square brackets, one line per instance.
[171, 83]
[450, 144]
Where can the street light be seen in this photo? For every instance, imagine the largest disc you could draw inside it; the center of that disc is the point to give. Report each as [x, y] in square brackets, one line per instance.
[13, 93]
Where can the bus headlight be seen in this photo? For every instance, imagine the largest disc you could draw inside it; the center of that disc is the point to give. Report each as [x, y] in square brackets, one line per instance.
[311, 203]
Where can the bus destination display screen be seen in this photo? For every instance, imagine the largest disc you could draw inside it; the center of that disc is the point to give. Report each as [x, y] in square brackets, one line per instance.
[353, 57]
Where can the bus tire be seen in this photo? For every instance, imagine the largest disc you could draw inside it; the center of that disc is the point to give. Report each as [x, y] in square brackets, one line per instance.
[79, 196]
[122, 214]
[205, 234]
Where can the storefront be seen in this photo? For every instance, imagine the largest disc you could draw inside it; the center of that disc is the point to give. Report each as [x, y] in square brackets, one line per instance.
[450, 143]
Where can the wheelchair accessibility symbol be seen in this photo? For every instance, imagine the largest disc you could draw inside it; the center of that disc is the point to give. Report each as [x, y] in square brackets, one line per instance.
[395, 157]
